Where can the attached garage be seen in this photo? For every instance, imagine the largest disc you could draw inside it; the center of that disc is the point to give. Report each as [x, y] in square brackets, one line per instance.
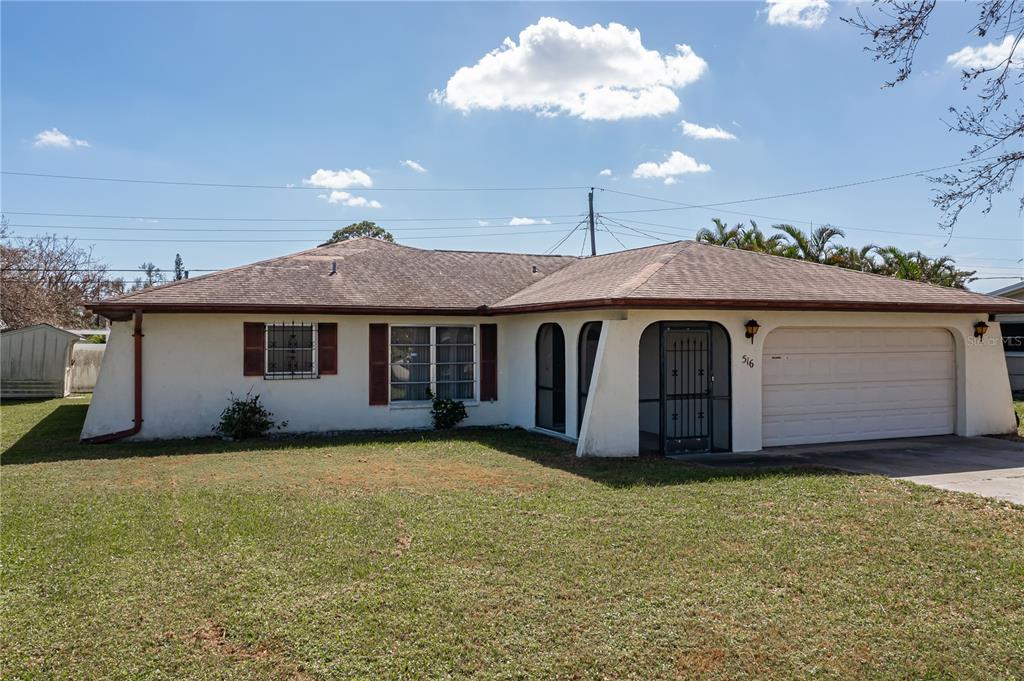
[841, 384]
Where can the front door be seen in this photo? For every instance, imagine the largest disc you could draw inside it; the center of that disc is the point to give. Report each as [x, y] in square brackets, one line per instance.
[686, 389]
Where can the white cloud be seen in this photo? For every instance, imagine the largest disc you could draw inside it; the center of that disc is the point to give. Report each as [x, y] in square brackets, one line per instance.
[518, 222]
[594, 72]
[413, 166]
[985, 57]
[801, 13]
[699, 132]
[483, 223]
[339, 179]
[607, 172]
[347, 199]
[55, 138]
[677, 163]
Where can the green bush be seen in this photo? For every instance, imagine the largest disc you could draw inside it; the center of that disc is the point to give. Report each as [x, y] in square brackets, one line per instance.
[446, 412]
[96, 338]
[246, 417]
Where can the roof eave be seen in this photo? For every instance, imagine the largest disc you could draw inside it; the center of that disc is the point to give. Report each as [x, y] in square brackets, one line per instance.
[123, 310]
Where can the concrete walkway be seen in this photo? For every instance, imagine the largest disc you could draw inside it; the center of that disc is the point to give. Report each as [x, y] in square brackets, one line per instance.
[986, 466]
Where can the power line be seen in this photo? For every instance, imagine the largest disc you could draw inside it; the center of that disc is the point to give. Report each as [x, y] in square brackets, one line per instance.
[254, 219]
[969, 261]
[287, 187]
[267, 229]
[844, 227]
[561, 241]
[225, 185]
[803, 192]
[98, 267]
[614, 236]
[245, 241]
[637, 231]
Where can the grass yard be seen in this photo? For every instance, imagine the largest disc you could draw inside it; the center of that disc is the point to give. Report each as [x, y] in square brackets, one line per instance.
[483, 553]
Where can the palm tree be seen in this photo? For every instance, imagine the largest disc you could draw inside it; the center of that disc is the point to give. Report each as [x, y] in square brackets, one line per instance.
[753, 239]
[814, 247]
[916, 266]
[721, 235]
[860, 259]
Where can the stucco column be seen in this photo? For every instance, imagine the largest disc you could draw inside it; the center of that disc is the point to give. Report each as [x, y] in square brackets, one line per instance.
[611, 425]
[984, 390]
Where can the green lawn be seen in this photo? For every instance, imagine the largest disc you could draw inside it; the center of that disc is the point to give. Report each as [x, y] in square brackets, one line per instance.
[485, 553]
[1019, 406]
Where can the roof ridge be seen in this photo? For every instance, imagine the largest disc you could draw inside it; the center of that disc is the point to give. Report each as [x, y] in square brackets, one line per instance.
[163, 286]
[886, 277]
[169, 284]
[677, 248]
[531, 255]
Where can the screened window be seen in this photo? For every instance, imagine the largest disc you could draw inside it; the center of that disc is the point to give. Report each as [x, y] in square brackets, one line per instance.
[550, 378]
[589, 337]
[1013, 336]
[438, 359]
[291, 351]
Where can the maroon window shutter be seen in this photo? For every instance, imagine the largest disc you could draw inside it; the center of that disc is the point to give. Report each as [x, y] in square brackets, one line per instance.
[252, 356]
[327, 348]
[488, 361]
[379, 364]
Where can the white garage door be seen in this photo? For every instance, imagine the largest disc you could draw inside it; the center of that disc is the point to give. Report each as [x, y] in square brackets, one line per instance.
[834, 385]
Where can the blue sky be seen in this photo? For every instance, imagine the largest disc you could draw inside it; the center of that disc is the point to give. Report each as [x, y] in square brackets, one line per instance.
[271, 93]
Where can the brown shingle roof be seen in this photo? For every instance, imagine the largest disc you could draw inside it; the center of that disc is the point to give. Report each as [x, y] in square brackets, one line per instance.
[374, 275]
[370, 274]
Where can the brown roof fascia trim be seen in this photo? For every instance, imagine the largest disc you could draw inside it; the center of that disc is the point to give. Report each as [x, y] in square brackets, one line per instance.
[114, 311]
[733, 304]
[118, 310]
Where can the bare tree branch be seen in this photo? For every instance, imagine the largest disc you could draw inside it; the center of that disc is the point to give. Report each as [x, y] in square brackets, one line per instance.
[999, 85]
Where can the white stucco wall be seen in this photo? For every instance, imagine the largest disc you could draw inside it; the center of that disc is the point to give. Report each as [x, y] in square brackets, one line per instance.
[983, 391]
[192, 362]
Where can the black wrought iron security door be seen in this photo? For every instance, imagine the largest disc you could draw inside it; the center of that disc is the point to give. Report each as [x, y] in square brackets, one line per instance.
[686, 390]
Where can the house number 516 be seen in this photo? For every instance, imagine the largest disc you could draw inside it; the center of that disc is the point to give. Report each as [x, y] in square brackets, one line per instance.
[749, 361]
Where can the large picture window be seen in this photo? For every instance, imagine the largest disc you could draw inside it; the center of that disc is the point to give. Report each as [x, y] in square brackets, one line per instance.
[291, 351]
[438, 359]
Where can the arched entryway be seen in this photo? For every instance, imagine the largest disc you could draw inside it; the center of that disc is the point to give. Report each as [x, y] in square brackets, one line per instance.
[550, 378]
[586, 354]
[685, 388]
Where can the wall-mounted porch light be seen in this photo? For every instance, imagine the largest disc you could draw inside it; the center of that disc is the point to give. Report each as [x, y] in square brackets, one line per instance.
[980, 329]
[752, 326]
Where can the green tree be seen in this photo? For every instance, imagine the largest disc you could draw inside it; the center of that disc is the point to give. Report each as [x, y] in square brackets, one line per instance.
[852, 258]
[358, 229]
[721, 235]
[916, 266]
[152, 275]
[814, 247]
[821, 246]
[179, 267]
[753, 239]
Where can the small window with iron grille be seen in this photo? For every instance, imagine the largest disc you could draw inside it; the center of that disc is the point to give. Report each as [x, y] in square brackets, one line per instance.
[291, 350]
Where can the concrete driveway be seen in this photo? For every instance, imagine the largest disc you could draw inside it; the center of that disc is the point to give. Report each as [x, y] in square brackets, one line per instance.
[986, 466]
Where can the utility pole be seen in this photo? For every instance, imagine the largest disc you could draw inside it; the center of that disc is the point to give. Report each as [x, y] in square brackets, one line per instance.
[593, 239]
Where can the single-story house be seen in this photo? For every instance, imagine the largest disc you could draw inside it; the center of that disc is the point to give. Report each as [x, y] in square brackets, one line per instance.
[1012, 326]
[35, 362]
[680, 347]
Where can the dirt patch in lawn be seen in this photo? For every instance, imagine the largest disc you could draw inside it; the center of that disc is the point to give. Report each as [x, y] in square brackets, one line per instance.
[212, 639]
